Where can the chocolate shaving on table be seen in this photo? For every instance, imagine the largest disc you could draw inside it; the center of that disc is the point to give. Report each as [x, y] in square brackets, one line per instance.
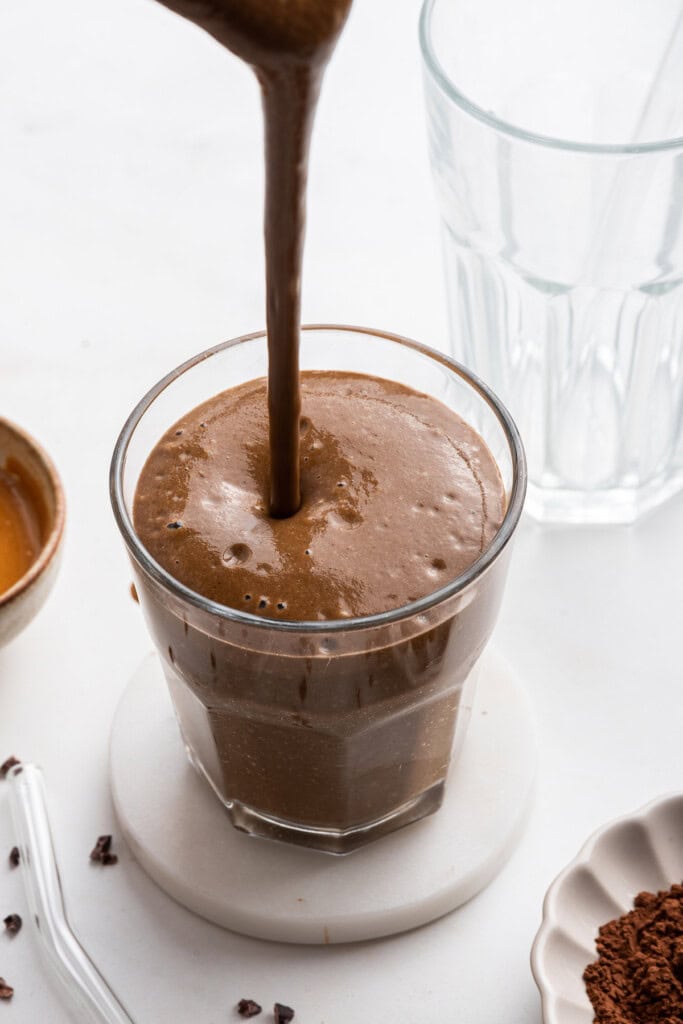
[100, 853]
[102, 846]
[283, 1014]
[13, 924]
[14, 857]
[248, 1008]
[6, 765]
[6, 991]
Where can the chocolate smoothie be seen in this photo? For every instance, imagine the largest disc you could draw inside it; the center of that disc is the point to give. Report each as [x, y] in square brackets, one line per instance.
[400, 496]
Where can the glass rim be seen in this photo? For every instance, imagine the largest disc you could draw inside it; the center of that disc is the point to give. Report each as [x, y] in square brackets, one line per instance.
[446, 84]
[407, 611]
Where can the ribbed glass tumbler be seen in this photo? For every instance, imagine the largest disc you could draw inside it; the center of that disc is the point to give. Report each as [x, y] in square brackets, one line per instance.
[556, 140]
[333, 732]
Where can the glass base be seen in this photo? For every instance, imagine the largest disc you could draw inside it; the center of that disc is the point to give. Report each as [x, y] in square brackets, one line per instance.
[599, 507]
[339, 842]
[327, 840]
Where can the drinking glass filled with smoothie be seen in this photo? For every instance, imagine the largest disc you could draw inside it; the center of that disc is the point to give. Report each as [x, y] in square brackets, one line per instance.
[321, 664]
[318, 521]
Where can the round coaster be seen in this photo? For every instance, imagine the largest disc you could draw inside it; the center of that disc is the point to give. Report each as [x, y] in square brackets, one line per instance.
[179, 833]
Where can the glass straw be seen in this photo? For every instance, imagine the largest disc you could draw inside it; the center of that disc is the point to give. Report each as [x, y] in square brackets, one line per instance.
[88, 992]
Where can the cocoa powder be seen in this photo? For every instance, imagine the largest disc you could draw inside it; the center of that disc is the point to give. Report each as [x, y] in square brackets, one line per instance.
[638, 976]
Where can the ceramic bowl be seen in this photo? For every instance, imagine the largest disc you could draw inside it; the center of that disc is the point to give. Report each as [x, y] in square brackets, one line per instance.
[20, 603]
[642, 851]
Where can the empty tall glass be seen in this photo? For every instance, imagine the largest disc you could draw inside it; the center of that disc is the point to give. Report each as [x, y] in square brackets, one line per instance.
[556, 139]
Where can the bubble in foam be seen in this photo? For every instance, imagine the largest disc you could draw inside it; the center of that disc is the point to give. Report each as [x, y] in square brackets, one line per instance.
[236, 554]
[345, 516]
[436, 567]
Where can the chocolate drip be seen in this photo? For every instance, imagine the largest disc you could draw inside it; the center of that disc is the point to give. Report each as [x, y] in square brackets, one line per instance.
[289, 104]
[288, 45]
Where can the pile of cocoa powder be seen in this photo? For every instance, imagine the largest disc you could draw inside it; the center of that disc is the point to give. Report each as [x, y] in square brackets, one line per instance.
[638, 977]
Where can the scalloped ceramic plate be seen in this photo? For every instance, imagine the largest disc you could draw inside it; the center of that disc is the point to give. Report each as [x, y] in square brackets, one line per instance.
[642, 851]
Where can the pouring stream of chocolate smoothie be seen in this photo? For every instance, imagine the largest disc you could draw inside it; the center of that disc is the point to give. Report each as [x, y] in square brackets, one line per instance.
[288, 45]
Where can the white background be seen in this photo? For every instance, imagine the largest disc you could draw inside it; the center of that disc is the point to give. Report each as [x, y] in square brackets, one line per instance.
[130, 238]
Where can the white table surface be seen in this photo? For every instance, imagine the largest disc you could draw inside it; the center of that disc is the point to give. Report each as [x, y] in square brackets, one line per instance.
[130, 218]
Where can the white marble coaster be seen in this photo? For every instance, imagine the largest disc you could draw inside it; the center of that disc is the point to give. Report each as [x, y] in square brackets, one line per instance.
[182, 838]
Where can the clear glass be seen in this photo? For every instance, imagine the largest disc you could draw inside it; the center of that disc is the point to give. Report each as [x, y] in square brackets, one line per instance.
[326, 734]
[88, 993]
[556, 140]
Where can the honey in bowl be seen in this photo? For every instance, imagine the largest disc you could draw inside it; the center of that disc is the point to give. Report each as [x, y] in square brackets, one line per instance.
[32, 515]
[22, 523]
